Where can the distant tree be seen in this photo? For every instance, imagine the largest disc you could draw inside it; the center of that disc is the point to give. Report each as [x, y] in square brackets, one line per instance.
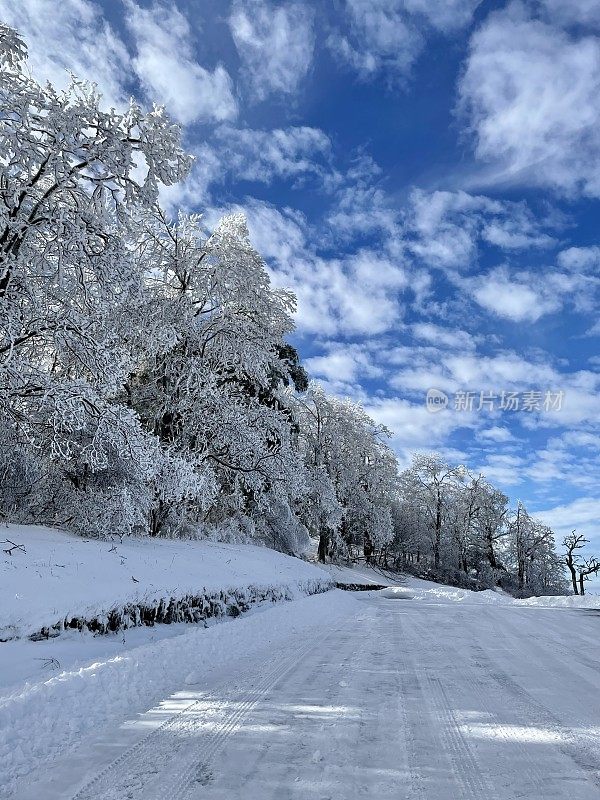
[572, 543]
[352, 471]
[489, 525]
[591, 566]
[430, 483]
[580, 568]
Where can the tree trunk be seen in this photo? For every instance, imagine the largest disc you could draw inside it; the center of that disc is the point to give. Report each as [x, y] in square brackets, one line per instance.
[521, 573]
[581, 586]
[573, 578]
[438, 533]
[323, 540]
[491, 556]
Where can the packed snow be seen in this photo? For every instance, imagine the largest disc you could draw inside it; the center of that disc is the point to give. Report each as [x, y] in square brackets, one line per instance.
[339, 696]
[362, 574]
[433, 697]
[43, 720]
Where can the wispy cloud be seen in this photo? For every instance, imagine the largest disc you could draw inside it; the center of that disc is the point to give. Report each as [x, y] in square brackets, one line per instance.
[167, 68]
[71, 36]
[388, 35]
[530, 94]
[275, 44]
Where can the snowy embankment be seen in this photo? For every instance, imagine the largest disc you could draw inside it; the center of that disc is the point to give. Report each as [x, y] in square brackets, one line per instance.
[53, 581]
[55, 692]
[429, 592]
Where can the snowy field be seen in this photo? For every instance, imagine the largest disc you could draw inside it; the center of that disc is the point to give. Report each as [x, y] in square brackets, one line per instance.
[339, 696]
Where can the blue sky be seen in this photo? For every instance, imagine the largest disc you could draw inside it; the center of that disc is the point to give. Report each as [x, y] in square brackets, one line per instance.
[425, 175]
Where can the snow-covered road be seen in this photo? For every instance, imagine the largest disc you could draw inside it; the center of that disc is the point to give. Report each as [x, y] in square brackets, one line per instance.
[402, 699]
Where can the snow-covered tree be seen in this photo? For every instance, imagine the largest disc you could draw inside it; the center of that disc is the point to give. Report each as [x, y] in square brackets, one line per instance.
[212, 384]
[71, 174]
[455, 526]
[430, 484]
[352, 471]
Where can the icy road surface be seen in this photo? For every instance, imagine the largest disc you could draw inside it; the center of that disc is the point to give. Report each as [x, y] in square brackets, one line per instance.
[419, 699]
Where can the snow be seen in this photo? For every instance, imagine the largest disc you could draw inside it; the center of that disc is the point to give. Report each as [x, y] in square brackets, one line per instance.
[453, 693]
[47, 718]
[398, 593]
[61, 576]
[570, 601]
[339, 696]
[439, 593]
[54, 692]
[362, 574]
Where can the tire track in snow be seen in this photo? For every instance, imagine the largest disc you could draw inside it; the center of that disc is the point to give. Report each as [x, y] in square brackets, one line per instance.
[199, 764]
[465, 766]
[475, 683]
[129, 775]
[445, 728]
[582, 748]
[480, 678]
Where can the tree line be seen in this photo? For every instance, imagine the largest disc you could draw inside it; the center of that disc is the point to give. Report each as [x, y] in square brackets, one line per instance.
[455, 525]
[147, 384]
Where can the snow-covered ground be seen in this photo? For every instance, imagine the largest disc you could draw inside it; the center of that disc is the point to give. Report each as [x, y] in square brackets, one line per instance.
[409, 587]
[340, 696]
[448, 694]
[61, 576]
[362, 574]
[44, 720]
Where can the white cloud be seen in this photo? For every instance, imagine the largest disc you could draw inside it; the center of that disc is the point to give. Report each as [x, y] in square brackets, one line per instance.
[445, 228]
[251, 155]
[594, 331]
[362, 211]
[412, 426]
[389, 35]
[279, 234]
[504, 468]
[496, 433]
[444, 15]
[71, 36]
[580, 259]
[512, 298]
[355, 294]
[570, 457]
[261, 155]
[526, 296]
[443, 337]
[167, 68]
[275, 44]
[573, 12]
[379, 38]
[531, 94]
[343, 364]
[581, 514]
